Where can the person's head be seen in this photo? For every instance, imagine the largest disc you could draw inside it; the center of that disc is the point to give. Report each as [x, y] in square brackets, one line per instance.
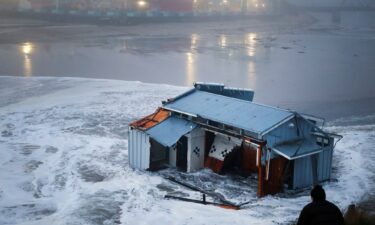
[318, 193]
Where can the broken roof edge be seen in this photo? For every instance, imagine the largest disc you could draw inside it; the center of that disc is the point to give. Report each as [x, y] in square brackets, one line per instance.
[150, 120]
[170, 130]
[296, 157]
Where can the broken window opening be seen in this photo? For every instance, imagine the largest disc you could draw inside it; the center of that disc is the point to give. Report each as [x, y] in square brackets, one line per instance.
[159, 157]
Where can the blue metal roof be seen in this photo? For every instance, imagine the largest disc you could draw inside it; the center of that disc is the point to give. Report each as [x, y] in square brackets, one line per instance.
[238, 113]
[170, 130]
[297, 149]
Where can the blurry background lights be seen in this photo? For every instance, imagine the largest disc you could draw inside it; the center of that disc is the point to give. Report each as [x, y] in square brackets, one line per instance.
[27, 48]
[142, 3]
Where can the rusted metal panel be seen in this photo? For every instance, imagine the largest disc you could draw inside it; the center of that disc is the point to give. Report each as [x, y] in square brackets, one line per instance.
[249, 159]
[274, 183]
[214, 164]
[138, 149]
[151, 120]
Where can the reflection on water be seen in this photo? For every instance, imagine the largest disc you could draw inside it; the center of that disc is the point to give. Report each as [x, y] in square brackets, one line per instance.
[27, 49]
[28, 66]
[191, 60]
[190, 68]
[250, 42]
[223, 41]
[285, 69]
[194, 42]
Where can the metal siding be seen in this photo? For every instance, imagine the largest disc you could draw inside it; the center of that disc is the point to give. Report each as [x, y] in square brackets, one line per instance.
[303, 176]
[139, 149]
[325, 164]
[281, 134]
[230, 111]
[220, 89]
[303, 170]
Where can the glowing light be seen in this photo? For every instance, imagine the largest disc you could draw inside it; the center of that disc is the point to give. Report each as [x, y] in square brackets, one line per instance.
[142, 3]
[27, 48]
[250, 41]
[223, 41]
[195, 1]
[263, 5]
[256, 5]
[225, 2]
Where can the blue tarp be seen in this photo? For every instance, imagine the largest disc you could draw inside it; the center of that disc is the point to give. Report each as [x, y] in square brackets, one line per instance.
[170, 130]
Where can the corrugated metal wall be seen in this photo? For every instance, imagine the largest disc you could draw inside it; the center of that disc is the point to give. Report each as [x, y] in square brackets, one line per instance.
[303, 176]
[139, 149]
[325, 164]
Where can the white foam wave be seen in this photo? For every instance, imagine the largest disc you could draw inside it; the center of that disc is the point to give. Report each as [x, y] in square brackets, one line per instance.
[63, 160]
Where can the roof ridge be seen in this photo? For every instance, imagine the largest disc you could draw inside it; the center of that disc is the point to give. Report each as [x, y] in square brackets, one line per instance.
[249, 102]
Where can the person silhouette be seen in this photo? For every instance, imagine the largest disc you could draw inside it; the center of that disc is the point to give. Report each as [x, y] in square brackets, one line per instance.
[320, 211]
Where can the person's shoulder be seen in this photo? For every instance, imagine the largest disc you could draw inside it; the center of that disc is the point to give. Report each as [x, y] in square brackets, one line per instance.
[308, 206]
[331, 204]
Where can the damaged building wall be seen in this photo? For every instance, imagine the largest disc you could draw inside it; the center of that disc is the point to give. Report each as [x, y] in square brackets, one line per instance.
[195, 159]
[292, 129]
[172, 156]
[304, 168]
[139, 149]
[309, 169]
[212, 126]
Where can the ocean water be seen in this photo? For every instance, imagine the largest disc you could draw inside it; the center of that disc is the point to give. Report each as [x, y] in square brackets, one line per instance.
[64, 160]
[307, 63]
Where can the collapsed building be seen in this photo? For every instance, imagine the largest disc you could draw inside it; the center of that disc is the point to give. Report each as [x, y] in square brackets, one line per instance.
[212, 126]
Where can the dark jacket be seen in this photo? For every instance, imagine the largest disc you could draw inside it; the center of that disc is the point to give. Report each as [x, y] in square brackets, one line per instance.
[320, 213]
